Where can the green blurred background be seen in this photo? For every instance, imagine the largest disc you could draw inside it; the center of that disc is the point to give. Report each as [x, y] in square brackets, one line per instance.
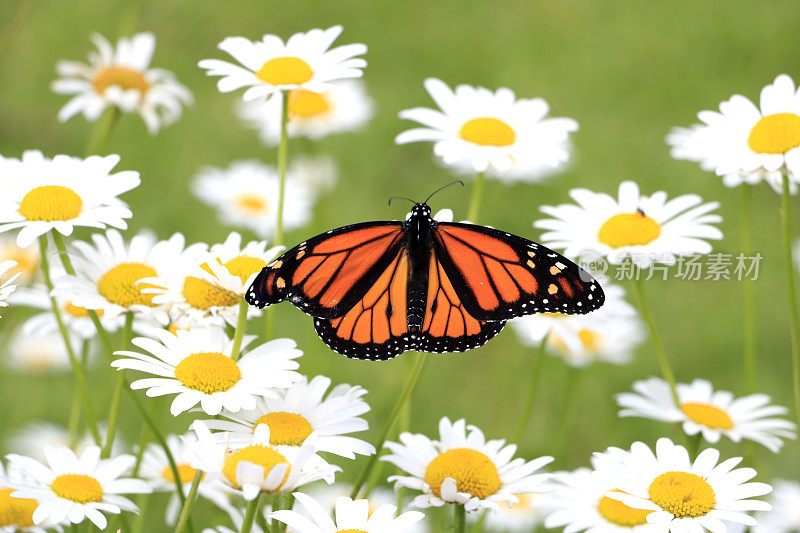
[627, 71]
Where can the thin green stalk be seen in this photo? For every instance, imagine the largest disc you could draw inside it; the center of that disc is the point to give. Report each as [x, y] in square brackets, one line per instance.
[62, 253]
[75, 410]
[748, 291]
[786, 215]
[570, 402]
[119, 384]
[661, 354]
[459, 518]
[282, 501]
[694, 445]
[475, 198]
[533, 387]
[102, 131]
[77, 369]
[186, 509]
[283, 158]
[15, 24]
[390, 422]
[249, 515]
[478, 527]
[241, 323]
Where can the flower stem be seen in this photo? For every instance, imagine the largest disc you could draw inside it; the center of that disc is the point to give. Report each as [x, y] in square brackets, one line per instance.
[390, 422]
[119, 384]
[102, 131]
[77, 368]
[241, 323]
[475, 198]
[532, 389]
[748, 292]
[283, 157]
[250, 514]
[186, 509]
[15, 24]
[661, 354]
[459, 518]
[75, 410]
[790, 290]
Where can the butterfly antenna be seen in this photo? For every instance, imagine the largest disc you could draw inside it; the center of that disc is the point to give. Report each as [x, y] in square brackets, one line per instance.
[442, 188]
[400, 198]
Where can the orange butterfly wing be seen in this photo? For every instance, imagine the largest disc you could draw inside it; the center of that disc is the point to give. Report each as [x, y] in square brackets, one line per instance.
[326, 275]
[499, 276]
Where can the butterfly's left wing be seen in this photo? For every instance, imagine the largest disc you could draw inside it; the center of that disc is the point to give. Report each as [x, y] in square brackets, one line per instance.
[498, 276]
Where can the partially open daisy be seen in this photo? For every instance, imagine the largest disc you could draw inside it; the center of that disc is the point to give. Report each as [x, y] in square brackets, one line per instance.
[342, 107]
[72, 488]
[254, 466]
[37, 353]
[157, 472]
[27, 259]
[7, 278]
[120, 76]
[351, 516]
[462, 467]
[111, 274]
[745, 143]
[646, 229]
[246, 195]
[491, 131]
[712, 413]
[305, 61]
[302, 409]
[38, 194]
[683, 495]
[784, 516]
[197, 366]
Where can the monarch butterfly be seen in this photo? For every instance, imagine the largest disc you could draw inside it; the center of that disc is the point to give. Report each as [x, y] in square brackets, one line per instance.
[377, 289]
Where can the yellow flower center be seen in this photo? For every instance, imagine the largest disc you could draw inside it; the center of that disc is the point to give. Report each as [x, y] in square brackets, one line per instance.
[260, 455]
[523, 505]
[683, 494]
[473, 471]
[620, 514]
[204, 295]
[244, 266]
[285, 71]
[304, 103]
[487, 131]
[208, 372]
[707, 415]
[351, 531]
[287, 429]
[121, 286]
[629, 229]
[27, 262]
[775, 134]
[185, 472]
[251, 203]
[590, 339]
[78, 311]
[50, 203]
[78, 488]
[123, 77]
[16, 512]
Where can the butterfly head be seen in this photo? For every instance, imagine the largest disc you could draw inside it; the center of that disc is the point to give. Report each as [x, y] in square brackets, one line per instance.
[421, 210]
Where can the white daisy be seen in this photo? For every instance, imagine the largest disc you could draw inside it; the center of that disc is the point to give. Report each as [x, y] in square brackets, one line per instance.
[712, 413]
[523, 516]
[71, 488]
[745, 143]
[784, 516]
[491, 131]
[305, 61]
[343, 106]
[246, 195]
[157, 472]
[38, 194]
[112, 274]
[16, 514]
[253, 466]
[38, 353]
[462, 467]
[7, 278]
[647, 229]
[197, 366]
[684, 496]
[302, 409]
[27, 258]
[121, 77]
[350, 515]
[33, 439]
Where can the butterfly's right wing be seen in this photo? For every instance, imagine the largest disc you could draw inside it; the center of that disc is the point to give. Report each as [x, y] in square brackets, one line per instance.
[327, 275]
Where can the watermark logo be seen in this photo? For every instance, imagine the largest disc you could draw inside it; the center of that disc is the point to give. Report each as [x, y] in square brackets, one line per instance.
[696, 267]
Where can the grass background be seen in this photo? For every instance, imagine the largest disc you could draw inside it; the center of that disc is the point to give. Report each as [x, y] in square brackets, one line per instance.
[627, 71]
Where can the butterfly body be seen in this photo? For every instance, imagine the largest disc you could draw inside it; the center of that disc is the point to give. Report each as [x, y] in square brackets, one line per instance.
[377, 289]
